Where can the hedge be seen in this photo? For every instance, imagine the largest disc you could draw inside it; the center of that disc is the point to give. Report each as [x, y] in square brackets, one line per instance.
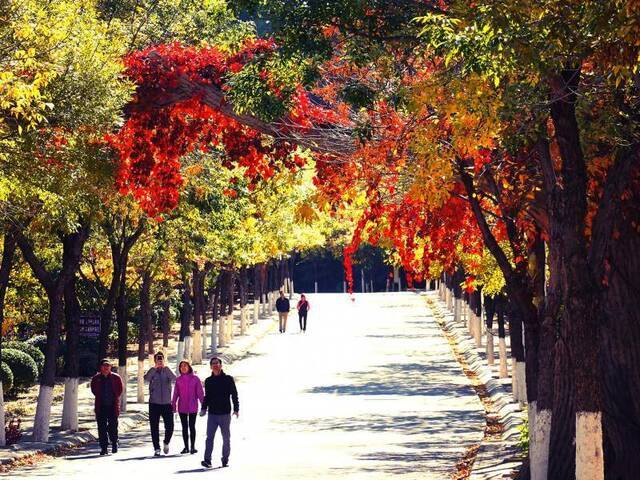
[30, 350]
[23, 367]
[6, 375]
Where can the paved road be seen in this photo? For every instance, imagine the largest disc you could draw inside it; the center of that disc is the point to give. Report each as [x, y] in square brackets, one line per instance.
[371, 390]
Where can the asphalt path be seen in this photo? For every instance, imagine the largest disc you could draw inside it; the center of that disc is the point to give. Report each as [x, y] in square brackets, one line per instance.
[371, 390]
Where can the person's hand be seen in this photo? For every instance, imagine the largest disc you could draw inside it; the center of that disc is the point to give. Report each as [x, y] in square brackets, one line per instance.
[237, 414]
[203, 413]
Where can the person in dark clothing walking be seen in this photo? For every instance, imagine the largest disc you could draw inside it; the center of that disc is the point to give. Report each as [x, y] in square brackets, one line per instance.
[106, 386]
[218, 388]
[160, 378]
[303, 308]
[283, 307]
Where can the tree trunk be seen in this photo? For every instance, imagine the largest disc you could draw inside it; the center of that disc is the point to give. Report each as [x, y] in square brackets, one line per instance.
[123, 337]
[54, 285]
[580, 295]
[185, 320]
[166, 313]
[8, 253]
[143, 330]
[620, 354]
[72, 361]
[196, 280]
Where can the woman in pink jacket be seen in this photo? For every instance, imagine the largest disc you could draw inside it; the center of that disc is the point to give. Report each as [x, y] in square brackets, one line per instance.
[186, 394]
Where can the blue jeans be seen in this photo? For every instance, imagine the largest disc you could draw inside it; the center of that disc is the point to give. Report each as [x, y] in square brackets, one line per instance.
[213, 422]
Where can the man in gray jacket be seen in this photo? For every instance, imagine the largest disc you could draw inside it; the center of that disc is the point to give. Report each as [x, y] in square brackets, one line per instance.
[160, 378]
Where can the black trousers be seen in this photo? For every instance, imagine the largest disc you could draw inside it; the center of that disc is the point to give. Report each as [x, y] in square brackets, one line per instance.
[188, 421]
[156, 411]
[302, 318]
[107, 426]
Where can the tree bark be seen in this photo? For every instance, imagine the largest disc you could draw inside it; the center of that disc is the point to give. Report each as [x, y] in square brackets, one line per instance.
[8, 254]
[54, 285]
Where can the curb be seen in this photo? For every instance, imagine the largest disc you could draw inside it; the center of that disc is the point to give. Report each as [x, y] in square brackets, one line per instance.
[126, 421]
[501, 459]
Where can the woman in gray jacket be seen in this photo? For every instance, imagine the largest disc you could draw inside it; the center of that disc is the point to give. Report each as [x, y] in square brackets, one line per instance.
[160, 378]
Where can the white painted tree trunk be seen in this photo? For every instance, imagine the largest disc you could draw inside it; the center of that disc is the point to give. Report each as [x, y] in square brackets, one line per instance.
[490, 351]
[197, 347]
[502, 346]
[221, 328]
[122, 371]
[42, 420]
[243, 320]
[263, 305]
[344, 287]
[256, 311]
[514, 379]
[188, 348]
[214, 338]
[165, 351]
[539, 450]
[449, 299]
[151, 362]
[140, 381]
[292, 288]
[70, 405]
[179, 355]
[521, 383]
[205, 343]
[589, 455]
[477, 328]
[315, 287]
[3, 438]
[230, 331]
[456, 310]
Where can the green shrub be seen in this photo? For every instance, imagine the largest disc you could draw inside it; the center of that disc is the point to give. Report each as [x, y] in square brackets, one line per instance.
[23, 367]
[39, 341]
[6, 376]
[30, 350]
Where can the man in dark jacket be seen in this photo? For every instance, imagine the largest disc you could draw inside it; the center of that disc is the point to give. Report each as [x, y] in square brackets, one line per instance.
[107, 388]
[282, 306]
[218, 388]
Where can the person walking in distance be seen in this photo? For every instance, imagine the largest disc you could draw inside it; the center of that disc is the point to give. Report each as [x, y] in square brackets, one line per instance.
[303, 308]
[283, 307]
[160, 378]
[106, 386]
[218, 389]
[186, 394]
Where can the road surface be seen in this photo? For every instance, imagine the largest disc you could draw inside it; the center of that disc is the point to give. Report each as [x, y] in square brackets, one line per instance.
[371, 390]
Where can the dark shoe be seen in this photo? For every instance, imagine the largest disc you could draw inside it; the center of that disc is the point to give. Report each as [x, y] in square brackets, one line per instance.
[104, 451]
[184, 450]
[193, 450]
[114, 449]
[225, 462]
[205, 464]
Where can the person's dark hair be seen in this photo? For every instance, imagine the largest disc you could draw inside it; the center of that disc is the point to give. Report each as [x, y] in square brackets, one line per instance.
[302, 295]
[188, 365]
[158, 355]
[213, 359]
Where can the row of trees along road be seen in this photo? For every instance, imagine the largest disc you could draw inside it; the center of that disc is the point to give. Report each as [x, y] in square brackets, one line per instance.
[77, 238]
[502, 137]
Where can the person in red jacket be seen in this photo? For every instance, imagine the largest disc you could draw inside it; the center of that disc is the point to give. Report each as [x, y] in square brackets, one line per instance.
[106, 386]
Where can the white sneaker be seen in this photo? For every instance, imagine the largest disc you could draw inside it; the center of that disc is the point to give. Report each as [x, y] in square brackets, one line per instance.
[166, 448]
[156, 453]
